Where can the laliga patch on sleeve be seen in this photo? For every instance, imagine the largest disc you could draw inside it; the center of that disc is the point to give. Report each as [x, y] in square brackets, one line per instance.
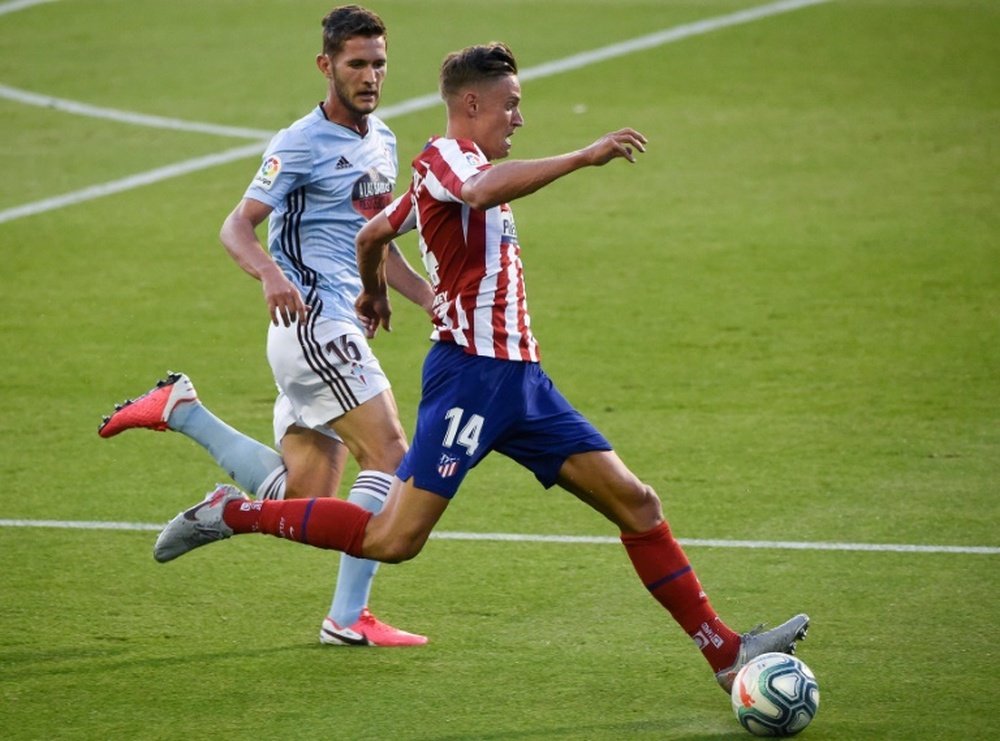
[268, 172]
[474, 159]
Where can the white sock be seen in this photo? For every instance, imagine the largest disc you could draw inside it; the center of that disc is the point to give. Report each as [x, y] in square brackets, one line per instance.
[248, 462]
[354, 580]
[273, 487]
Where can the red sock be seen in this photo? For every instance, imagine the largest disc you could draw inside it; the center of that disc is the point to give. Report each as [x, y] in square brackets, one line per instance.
[327, 522]
[665, 570]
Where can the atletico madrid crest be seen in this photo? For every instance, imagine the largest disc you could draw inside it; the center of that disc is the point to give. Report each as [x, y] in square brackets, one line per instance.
[447, 465]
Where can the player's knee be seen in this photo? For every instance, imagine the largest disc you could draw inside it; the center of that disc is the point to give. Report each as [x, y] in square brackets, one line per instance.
[389, 542]
[386, 454]
[644, 510]
[391, 454]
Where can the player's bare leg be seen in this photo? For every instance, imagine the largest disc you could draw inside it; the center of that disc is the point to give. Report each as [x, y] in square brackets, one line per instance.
[373, 434]
[601, 479]
[315, 463]
[396, 534]
[400, 531]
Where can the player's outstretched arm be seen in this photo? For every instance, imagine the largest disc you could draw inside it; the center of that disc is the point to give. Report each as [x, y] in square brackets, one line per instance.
[511, 180]
[284, 302]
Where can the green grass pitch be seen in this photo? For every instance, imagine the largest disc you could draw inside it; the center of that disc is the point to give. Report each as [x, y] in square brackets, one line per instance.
[786, 316]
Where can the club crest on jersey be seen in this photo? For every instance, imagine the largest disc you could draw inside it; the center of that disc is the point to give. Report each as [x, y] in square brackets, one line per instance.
[268, 172]
[371, 193]
[358, 371]
[447, 465]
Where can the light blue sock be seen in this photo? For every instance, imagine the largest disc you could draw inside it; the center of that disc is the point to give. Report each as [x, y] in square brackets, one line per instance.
[248, 462]
[354, 580]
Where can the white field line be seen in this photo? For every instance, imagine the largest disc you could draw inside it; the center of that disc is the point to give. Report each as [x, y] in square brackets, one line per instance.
[15, 5]
[576, 61]
[666, 36]
[139, 119]
[581, 539]
[131, 182]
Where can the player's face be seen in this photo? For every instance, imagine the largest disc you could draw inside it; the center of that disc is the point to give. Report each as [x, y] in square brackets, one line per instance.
[356, 75]
[498, 116]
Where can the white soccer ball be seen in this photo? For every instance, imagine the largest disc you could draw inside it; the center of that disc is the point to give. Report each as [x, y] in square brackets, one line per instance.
[775, 695]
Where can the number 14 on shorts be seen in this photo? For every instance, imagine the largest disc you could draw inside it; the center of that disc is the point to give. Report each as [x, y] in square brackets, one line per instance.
[466, 435]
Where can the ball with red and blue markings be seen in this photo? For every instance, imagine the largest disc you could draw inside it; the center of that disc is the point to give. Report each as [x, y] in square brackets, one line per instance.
[775, 695]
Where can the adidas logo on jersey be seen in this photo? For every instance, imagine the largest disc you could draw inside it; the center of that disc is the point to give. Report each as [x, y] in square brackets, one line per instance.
[343, 164]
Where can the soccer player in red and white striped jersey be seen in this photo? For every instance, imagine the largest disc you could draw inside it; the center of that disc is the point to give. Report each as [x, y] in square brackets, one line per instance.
[483, 386]
[480, 299]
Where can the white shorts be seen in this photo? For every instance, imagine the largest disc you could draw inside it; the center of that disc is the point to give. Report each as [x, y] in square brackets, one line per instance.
[323, 369]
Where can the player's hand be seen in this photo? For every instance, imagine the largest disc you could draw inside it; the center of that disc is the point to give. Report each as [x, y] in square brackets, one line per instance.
[374, 311]
[370, 326]
[622, 143]
[284, 302]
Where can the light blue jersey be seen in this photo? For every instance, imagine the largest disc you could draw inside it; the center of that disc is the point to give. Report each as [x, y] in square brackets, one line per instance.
[324, 181]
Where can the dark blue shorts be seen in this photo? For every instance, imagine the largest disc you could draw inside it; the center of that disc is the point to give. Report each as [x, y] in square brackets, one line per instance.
[471, 405]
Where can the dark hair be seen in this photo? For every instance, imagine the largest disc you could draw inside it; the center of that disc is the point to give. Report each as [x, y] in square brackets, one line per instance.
[346, 22]
[475, 64]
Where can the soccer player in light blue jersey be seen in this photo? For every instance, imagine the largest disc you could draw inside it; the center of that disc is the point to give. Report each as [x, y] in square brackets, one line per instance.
[321, 179]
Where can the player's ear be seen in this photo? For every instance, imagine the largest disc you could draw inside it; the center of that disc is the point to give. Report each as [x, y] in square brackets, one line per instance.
[324, 65]
[470, 101]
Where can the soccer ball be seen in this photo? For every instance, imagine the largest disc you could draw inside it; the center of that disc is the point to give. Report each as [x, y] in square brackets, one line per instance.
[775, 695]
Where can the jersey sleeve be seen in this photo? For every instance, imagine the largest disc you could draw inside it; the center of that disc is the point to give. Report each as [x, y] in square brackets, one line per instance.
[453, 163]
[401, 213]
[287, 165]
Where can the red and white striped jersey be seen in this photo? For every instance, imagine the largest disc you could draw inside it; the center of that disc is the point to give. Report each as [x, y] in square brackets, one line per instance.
[472, 257]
